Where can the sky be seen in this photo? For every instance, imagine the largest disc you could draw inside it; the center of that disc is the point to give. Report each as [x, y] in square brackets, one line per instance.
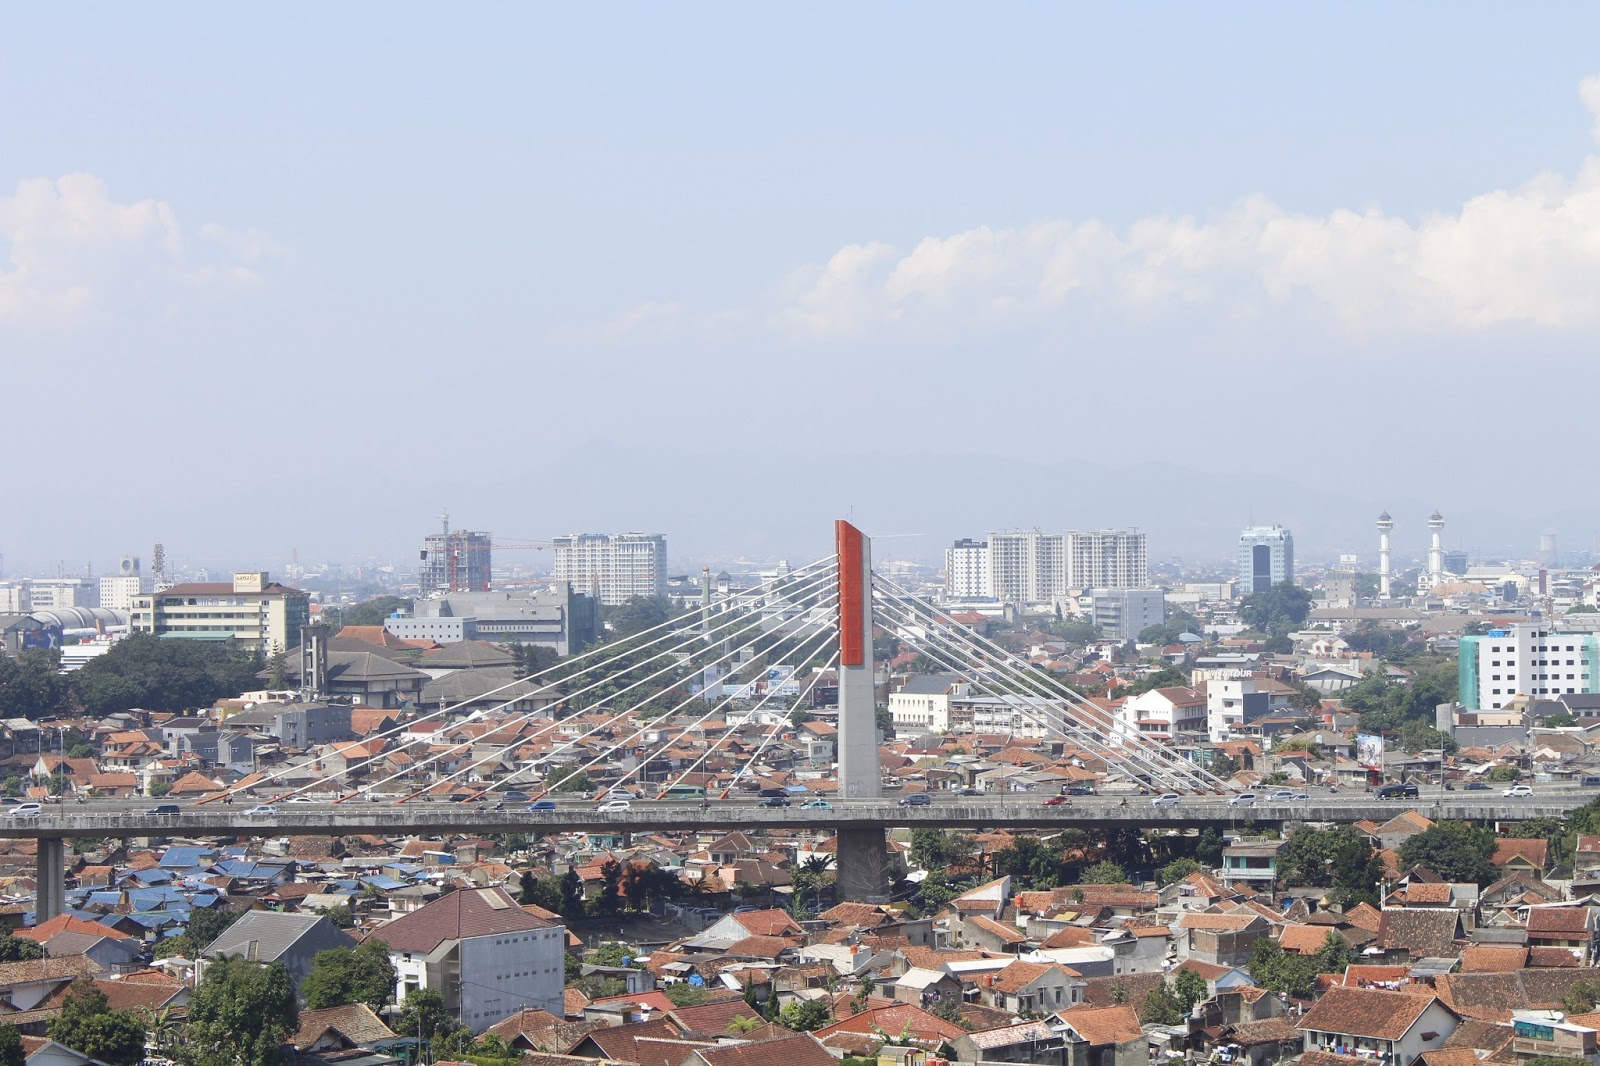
[303, 277]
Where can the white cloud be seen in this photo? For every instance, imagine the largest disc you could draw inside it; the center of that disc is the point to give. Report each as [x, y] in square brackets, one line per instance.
[68, 250]
[1529, 255]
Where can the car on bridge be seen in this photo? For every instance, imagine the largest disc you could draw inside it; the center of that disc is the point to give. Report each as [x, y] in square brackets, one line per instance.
[1287, 795]
[774, 801]
[25, 810]
[1243, 799]
[816, 805]
[1518, 790]
[1057, 801]
[916, 799]
[1389, 792]
[1077, 790]
[161, 809]
[612, 806]
[1166, 799]
[262, 808]
[542, 805]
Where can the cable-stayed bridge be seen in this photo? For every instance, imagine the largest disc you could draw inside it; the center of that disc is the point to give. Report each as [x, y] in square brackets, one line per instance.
[612, 709]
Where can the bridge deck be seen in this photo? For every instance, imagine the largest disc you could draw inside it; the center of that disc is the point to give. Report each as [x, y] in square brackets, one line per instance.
[422, 819]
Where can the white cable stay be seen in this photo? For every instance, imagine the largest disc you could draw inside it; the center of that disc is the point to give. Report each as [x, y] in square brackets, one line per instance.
[696, 638]
[1133, 749]
[1122, 757]
[670, 628]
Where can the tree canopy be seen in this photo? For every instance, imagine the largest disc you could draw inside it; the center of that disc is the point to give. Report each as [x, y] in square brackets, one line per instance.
[239, 1015]
[1281, 607]
[165, 675]
[1342, 858]
[362, 974]
[88, 1024]
[1456, 851]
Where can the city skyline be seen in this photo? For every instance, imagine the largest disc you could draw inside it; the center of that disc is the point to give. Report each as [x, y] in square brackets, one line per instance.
[597, 238]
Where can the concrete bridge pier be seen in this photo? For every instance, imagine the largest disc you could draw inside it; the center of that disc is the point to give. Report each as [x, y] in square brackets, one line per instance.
[50, 879]
[863, 865]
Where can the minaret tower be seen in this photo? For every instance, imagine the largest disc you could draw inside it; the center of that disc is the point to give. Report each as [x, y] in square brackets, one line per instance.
[1385, 524]
[1436, 550]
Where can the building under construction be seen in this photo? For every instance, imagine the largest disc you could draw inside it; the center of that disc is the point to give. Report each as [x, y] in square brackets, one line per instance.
[454, 560]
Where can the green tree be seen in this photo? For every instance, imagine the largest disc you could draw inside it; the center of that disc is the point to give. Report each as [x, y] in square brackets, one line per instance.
[804, 1015]
[1284, 604]
[89, 1025]
[369, 612]
[568, 779]
[165, 675]
[1456, 851]
[1190, 988]
[1167, 677]
[31, 683]
[19, 948]
[935, 891]
[1417, 735]
[1160, 1008]
[572, 902]
[341, 916]
[638, 614]
[1341, 858]
[935, 849]
[362, 974]
[239, 1015]
[1582, 997]
[951, 1012]
[11, 1051]
[1176, 870]
[1104, 872]
[683, 994]
[424, 1014]
[1208, 847]
[208, 923]
[1224, 765]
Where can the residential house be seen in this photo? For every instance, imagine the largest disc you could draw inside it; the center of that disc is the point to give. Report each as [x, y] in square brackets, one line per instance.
[1033, 987]
[1103, 1036]
[272, 936]
[480, 951]
[1392, 1027]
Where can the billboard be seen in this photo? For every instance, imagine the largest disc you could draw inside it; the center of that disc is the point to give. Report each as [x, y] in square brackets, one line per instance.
[1369, 750]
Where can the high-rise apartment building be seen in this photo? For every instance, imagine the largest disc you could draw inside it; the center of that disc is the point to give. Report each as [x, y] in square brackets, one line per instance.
[1266, 558]
[455, 561]
[1525, 659]
[613, 567]
[966, 571]
[1107, 559]
[118, 590]
[1027, 566]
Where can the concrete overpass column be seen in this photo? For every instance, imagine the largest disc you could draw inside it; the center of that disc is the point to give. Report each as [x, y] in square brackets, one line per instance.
[862, 860]
[863, 865]
[51, 878]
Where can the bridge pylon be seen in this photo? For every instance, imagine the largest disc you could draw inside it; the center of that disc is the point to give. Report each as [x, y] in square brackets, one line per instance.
[862, 857]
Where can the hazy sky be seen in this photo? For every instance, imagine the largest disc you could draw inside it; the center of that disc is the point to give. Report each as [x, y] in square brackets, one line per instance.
[302, 275]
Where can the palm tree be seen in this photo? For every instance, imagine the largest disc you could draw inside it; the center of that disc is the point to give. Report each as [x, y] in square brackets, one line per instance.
[745, 1023]
[164, 1027]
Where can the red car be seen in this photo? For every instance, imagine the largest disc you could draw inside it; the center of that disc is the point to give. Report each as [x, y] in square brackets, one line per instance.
[1058, 801]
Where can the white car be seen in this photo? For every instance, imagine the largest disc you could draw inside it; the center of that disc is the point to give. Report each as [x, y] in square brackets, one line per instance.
[26, 810]
[1243, 799]
[1166, 799]
[610, 806]
[262, 808]
[1518, 790]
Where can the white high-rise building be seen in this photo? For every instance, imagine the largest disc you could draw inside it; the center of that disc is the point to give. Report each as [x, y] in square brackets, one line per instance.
[1107, 559]
[1266, 558]
[118, 590]
[613, 567]
[966, 571]
[1027, 566]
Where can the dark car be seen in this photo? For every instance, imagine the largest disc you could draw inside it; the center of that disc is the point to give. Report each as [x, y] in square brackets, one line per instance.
[165, 808]
[542, 805]
[970, 792]
[1475, 786]
[1077, 790]
[516, 797]
[1389, 792]
[916, 799]
[768, 793]
[774, 801]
